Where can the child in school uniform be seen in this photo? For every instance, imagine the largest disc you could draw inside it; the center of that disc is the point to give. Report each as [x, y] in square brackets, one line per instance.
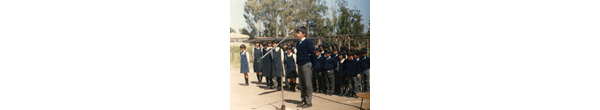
[352, 74]
[358, 70]
[285, 45]
[290, 68]
[329, 77]
[267, 64]
[336, 59]
[342, 74]
[317, 72]
[365, 65]
[257, 65]
[244, 61]
[277, 54]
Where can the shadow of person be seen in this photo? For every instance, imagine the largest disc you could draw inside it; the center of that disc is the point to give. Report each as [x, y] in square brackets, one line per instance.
[262, 86]
[254, 82]
[268, 92]
[336, 102]
[293, 101]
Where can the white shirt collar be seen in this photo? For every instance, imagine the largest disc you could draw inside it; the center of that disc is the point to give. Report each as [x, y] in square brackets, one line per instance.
[342, 61]
[302, 40]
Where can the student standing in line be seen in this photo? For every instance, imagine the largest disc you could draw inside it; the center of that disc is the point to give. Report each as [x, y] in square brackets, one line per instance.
[278, 57]
[286, 82]
[358, 71]
[244, 61]
[328, 70]
[267, 67]
[352, 74]
[257, 65]
[317, 77]
[365, 66]
[343, 73]
[290, 68]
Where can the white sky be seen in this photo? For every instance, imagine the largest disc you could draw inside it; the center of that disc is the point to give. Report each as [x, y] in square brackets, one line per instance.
[236, 10]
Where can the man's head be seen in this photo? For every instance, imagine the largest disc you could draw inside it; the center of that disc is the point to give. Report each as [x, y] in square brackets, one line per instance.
[300, 32]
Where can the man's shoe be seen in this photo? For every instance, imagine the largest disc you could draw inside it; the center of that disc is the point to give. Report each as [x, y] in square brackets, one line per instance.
[300, 105]
[307, 105]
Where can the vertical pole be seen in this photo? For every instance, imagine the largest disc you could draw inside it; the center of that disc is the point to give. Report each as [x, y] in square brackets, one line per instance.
[361, 102]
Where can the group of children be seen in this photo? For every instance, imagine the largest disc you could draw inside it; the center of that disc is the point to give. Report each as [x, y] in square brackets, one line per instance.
[334, 72]
[341, 70]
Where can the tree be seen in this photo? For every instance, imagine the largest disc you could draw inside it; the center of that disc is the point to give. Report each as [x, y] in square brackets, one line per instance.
[277, 17]
[231, 30]
[246, 32]
[369, 30]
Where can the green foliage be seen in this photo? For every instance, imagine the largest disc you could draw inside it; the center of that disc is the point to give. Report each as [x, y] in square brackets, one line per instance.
[246, 32]
[276, 18]
[349, 20]
[231, 30]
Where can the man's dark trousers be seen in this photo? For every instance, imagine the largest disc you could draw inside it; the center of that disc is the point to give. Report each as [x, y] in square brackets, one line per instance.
[305, 77]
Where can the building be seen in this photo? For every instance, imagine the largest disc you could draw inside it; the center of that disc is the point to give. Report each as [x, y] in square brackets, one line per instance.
[238, 39]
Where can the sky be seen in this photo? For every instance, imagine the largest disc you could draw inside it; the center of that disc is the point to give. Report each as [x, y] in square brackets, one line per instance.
[237, 21]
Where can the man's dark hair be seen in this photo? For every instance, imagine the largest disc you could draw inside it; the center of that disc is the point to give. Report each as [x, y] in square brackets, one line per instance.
[301, 29]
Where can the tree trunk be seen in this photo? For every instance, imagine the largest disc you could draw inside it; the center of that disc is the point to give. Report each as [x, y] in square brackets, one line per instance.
[348, 41]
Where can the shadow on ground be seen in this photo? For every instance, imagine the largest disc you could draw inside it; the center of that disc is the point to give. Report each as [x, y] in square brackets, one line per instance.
[254, 82]
[266, 104]
[262, 86]
[336, 102]
[293, 101]
[268, 92]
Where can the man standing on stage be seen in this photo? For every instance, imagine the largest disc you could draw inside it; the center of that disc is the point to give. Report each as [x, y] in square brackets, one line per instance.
[305, 56]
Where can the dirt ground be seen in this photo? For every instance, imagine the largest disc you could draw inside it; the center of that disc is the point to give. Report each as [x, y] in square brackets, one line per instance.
[255, 97]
